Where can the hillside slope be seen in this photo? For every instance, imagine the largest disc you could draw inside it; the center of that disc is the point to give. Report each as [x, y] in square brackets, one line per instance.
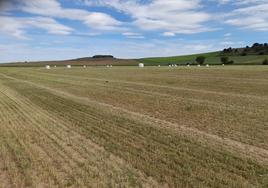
[75, 62]
[211, 58]
[254, 55]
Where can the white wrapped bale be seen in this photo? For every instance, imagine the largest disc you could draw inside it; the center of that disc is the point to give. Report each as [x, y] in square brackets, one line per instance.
[141, 65]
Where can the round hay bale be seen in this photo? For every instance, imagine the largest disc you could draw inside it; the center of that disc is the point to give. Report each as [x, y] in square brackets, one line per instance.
[141, 65]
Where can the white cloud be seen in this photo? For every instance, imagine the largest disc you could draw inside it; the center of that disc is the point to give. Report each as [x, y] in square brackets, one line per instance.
[177, 16]
[133, 35]
[227, 35]
[246, 14]
[101, 21]
[252, 17]
[52, 9]
[240, 2]
[169, 34]
[17, 26]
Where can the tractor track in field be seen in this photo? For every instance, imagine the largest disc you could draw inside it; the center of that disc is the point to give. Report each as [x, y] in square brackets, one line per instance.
[261, 98]
[17, 126]
[174, 98]
[244, 150]
[72, 155]
[4, 176]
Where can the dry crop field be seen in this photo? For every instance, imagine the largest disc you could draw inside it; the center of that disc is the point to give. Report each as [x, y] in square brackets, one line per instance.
[131, 127]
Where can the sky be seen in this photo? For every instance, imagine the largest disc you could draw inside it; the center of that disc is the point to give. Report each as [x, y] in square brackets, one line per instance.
[32, 30]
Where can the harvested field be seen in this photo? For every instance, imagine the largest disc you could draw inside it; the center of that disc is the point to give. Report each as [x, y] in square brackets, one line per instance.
[131, 127]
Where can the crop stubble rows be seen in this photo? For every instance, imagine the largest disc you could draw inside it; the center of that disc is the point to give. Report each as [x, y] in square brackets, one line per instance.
[54, 118]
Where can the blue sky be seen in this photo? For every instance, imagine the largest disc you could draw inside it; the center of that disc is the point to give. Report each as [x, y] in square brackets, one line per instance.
[63, 29]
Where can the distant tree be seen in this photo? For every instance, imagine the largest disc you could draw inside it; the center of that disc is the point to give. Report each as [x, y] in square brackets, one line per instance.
[224, 60]
[255, 45]
[255, 49]
[265, 62]
[200, 60]
[230, 62]
[102, 56]
[244, 54]
[227, 50]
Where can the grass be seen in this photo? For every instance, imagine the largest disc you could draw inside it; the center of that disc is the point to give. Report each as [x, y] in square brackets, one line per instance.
[179, 127]
[212, 58]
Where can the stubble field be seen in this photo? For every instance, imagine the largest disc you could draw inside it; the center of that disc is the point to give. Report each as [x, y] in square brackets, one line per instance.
[131, 127]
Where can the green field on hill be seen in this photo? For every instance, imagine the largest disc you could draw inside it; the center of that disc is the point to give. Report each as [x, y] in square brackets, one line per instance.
[212, 58]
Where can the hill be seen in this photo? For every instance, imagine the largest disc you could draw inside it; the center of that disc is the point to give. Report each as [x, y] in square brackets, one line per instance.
[254, 55]
[89, 61]
[212, 58]
[241, 56]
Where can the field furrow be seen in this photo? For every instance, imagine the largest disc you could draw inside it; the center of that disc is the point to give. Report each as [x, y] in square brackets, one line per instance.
[72, 159]
[235, 146]
[196, 114]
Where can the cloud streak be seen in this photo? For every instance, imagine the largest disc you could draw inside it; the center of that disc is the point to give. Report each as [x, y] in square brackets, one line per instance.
[174, 16]
[44, 17]
[251, 17]
[16, 26]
